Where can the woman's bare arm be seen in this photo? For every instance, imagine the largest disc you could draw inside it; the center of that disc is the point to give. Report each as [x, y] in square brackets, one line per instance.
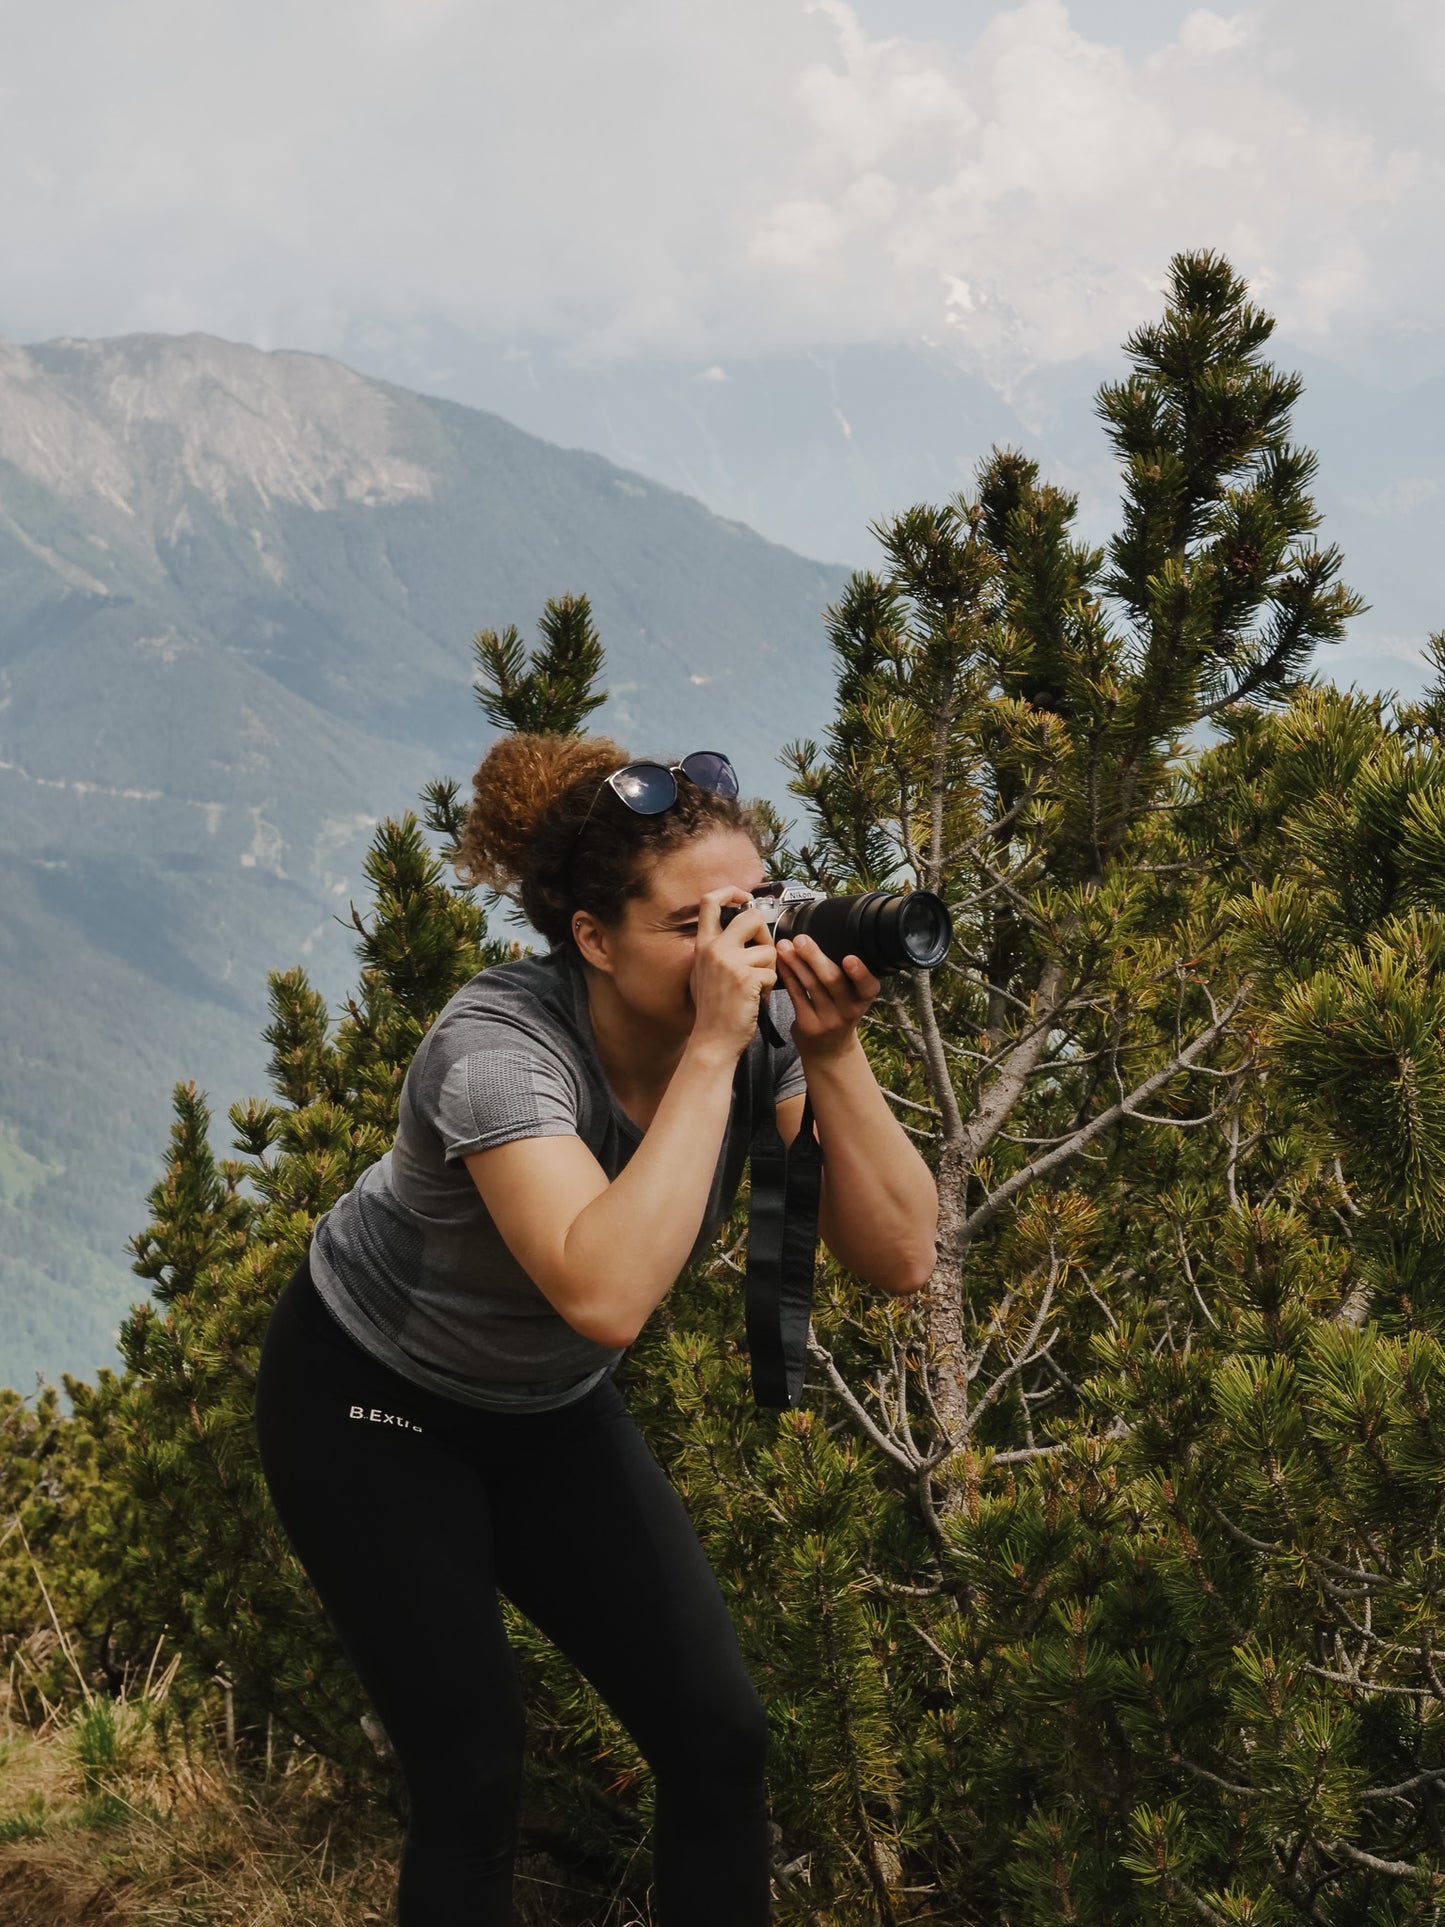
[878, 1214]
[606, 1254]
[878, 1209]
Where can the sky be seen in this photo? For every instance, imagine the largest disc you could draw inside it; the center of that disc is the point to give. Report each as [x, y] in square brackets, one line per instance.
[709, 180]
[642, 196]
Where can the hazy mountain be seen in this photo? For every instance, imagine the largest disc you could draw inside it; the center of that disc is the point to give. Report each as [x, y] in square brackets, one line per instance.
[810, 447]
[237, 592]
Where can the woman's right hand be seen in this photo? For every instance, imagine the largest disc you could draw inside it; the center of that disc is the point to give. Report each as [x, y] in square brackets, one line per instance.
[732, 968]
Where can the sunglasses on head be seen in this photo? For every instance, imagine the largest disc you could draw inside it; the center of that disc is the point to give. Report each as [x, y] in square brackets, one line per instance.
[650, 788]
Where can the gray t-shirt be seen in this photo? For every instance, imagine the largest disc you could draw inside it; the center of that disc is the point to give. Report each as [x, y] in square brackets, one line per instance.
[409, 1261]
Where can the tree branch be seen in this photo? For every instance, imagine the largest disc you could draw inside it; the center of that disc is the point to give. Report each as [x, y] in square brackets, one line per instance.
[992, 1205]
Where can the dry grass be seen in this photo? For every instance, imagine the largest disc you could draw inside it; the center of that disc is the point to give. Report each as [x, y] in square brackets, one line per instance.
[111, 1813]
[116, 1811]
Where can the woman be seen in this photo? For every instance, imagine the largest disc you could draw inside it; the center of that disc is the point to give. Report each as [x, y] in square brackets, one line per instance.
[436, 1409]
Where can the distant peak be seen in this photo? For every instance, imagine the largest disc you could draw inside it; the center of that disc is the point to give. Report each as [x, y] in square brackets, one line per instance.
[235, 424]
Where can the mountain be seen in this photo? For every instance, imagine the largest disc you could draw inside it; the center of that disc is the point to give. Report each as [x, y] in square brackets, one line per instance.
[810, 446]
[237, 591]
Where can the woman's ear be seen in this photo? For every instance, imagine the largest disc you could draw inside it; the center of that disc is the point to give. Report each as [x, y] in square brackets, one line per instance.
[590, 937]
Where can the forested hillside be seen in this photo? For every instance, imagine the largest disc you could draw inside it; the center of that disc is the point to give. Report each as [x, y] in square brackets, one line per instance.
[237, 597]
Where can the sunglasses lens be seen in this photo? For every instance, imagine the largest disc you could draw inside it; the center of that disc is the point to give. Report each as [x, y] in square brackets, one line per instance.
[711, 770]
[647, 788]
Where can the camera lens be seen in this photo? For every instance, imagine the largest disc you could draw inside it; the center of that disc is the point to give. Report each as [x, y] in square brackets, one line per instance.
[888, 931]
[902, 930]
[925, 929]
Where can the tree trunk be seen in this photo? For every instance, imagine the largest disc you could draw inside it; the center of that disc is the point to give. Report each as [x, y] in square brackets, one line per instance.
[948, 1361]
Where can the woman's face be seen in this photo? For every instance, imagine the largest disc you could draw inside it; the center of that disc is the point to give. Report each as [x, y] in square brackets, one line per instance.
[651, 950]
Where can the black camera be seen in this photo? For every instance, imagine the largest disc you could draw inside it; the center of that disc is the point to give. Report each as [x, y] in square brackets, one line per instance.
[889, 930]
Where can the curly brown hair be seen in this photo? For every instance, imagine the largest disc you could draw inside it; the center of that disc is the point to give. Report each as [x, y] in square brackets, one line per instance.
[530, 799]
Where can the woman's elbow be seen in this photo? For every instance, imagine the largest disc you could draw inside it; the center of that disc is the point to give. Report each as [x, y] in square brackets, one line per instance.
[923, 1259]
[906, 1273]
[613, 1341]
[917, 1260]
[591, 1315]
[899, 1268]
[904, 1284]
[604, 1328]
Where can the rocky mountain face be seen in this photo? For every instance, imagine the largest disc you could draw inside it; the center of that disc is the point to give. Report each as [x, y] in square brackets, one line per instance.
[237, 592]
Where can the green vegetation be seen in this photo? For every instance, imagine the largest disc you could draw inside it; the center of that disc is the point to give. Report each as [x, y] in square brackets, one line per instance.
[1100, 1582]
[19, 1171]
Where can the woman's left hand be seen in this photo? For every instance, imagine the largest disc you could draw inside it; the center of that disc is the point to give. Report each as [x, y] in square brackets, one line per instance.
[828, 1000]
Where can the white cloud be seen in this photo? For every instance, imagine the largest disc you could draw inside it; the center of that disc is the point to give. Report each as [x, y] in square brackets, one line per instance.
[1400, 498]
[1210, 33]
[707, 180]
[1041, 182]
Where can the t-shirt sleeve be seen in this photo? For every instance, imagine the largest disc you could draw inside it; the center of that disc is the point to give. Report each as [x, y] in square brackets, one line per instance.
[788, 1079]
[492, 1096]
[785, 1067]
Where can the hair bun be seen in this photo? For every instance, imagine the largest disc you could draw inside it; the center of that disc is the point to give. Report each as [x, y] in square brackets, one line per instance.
[516, 785]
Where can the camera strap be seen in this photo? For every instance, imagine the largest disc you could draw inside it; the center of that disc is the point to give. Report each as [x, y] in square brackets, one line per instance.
[782, 1246]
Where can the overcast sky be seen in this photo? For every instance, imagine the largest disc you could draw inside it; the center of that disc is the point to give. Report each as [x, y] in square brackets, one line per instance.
[662, 176]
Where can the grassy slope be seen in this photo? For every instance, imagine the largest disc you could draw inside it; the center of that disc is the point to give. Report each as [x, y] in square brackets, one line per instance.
[109, 1815]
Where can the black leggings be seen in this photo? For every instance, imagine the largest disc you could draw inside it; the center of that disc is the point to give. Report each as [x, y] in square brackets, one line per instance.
[409, 1511]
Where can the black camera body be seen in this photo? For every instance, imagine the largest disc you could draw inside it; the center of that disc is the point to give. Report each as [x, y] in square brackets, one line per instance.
[889, 930]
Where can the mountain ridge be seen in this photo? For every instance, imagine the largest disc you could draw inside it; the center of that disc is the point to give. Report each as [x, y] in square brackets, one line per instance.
[237, 591]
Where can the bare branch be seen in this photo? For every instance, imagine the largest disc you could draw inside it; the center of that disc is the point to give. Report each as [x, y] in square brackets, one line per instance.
[1397, 1869]
[909, 1104]
[1434, 1777]
[990, 1208]
[895, 1451]
[1004, 1092]
[933, 1053]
